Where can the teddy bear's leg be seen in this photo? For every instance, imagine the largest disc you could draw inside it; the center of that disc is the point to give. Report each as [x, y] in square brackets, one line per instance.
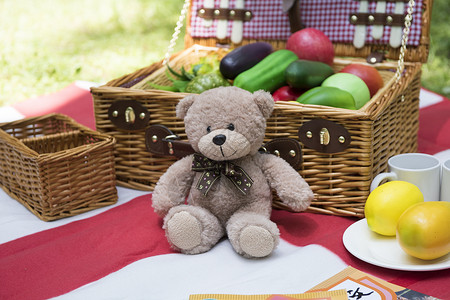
[192, 229]
[252, 235]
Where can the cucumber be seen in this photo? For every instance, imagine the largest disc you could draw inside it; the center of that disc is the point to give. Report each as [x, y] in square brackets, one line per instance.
[268, 74]
[328, 96]
[306, 74]
[243, 58]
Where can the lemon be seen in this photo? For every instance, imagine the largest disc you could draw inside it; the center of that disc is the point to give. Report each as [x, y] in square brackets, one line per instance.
[423, 230]
[387, 202]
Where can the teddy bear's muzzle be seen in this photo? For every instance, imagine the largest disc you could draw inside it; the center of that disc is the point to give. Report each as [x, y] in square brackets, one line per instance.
[223, 144]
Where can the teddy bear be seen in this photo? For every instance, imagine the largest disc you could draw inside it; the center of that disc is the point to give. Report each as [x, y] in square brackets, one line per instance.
[225, 188]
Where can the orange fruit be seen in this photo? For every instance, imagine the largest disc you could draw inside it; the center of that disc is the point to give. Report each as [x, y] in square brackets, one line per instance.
[423, 230]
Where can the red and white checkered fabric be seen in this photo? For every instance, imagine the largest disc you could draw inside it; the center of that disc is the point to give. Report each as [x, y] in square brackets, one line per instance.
[330, 16]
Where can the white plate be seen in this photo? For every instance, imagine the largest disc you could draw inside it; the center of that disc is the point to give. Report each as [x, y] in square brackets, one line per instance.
[385, 251]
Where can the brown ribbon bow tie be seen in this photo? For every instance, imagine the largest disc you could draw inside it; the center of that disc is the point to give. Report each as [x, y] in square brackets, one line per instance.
[212, 170]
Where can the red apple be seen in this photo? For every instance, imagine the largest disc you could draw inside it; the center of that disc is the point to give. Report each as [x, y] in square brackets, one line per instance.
[286, 93]
[311, 44]
[368, 74]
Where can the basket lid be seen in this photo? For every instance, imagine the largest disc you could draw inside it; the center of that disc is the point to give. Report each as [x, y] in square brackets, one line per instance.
[356, 28]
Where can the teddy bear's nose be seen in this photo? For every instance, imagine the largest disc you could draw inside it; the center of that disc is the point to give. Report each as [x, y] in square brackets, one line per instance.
[219, 139]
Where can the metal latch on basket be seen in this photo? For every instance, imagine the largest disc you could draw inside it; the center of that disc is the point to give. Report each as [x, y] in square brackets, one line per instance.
[128, 115]
[160, 140]
[324, 136]
[375, 57]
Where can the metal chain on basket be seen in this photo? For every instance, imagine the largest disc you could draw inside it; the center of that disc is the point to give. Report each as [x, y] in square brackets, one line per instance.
[177, 31]
[401, 59]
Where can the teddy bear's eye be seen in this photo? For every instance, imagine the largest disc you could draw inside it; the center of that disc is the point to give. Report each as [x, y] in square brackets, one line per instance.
[230, 126]
[208, 129]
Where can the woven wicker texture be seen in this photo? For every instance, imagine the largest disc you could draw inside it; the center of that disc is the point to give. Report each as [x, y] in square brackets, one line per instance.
[385, 126]
[56, 167]
[135, 166]
[341, 181]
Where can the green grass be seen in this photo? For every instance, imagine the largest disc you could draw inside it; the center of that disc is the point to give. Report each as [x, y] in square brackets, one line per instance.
[436, 73]
[47, 44]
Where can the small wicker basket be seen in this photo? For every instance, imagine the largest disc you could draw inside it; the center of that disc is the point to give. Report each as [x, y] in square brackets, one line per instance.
[56, 167]
[385, 126]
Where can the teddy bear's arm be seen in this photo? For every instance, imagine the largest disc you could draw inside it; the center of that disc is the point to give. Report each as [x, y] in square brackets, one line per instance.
[291, 188]
[173, 186]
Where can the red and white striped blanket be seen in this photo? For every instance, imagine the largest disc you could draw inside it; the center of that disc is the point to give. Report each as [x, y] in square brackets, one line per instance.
[120, 252]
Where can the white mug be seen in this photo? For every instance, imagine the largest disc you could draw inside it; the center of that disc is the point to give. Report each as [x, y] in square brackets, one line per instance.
[422, 170]
[445, 181]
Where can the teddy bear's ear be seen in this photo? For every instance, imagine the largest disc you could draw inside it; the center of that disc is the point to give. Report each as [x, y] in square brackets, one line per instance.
[264, 101]
[184, 105]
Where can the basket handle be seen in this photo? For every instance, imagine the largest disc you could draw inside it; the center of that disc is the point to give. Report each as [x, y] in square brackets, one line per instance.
[401, 59]
[177, 31]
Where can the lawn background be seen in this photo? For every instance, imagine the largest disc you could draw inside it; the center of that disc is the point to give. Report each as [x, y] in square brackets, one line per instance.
[45, 45]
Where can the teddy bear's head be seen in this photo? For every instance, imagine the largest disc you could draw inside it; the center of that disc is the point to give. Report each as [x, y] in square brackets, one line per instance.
[226, 123]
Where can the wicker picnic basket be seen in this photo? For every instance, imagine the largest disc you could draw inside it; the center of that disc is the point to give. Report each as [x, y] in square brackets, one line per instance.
[340, 177]
[56, 167]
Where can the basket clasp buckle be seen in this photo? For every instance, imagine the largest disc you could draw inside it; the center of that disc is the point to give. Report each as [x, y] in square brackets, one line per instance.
[128, 115]
[324, 136]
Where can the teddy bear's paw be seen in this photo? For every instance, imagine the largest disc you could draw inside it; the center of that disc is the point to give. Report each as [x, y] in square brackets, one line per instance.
[192, 230]
[299, 201]
[252, 235]
[256, 241]
[184, 231]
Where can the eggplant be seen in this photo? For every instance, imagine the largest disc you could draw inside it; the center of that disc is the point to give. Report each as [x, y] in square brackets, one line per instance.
[243, 58]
